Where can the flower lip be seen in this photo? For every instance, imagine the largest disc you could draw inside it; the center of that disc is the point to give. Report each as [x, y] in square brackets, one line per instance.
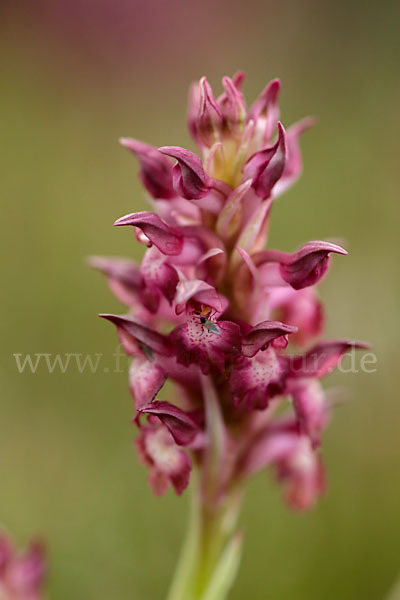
[206, 342]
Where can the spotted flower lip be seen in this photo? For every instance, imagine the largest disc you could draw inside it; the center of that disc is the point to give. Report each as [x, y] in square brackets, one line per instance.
[168, 464]
[206, 342]
[218, 313]
[253, 382]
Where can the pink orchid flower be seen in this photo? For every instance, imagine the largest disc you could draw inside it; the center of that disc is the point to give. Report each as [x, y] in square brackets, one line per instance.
[21, 573]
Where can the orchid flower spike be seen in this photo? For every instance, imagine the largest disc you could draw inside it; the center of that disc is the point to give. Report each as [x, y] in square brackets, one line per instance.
[228, 321]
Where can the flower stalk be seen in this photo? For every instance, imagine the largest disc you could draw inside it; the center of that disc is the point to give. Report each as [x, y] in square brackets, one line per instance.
[211, 551]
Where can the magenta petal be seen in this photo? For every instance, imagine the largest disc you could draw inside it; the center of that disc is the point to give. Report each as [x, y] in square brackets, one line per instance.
[146, 378]
[260, 336]
[189, 178]
[158, 273]
[302, 471]
[266, 166]
[294, 163]
[155, 169]
[238, 80]
[267, 102]
[295, 461]
[193, 111]
[232, 104]
[181, 425]
[306, 266]
[271, 445]
[301, 308]
[26, 573]
[167, 281]
[165, 238]
[210, 120]
[322, 358]
[265, 110]
[299, 269]
[124, 277]
[211, 266]
[140, 333]
[229, 220]
[21, 574]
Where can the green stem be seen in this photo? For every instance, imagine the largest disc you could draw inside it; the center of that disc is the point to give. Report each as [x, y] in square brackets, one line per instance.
[211, 550]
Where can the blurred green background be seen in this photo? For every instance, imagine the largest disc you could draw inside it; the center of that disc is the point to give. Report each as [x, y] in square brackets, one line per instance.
[75, 77]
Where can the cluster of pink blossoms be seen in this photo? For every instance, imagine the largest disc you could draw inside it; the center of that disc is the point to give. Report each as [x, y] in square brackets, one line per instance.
[21, 574]
[213, 311]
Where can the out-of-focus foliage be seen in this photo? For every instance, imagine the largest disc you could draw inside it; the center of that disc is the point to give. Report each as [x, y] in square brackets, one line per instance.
[72, 81]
